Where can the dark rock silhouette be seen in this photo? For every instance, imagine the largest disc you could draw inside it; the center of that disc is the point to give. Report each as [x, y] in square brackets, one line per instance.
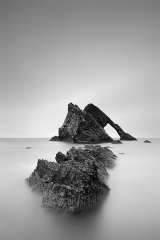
[103, 120]
[28, 147]
[76, 181]
[116, 142]
[147, 141]
[81, 127]
[87, 126]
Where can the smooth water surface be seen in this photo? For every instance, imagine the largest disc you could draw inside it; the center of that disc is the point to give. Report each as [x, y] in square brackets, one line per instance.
[131, 210]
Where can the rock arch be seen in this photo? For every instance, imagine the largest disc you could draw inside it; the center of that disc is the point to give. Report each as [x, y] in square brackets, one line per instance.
[87, 126]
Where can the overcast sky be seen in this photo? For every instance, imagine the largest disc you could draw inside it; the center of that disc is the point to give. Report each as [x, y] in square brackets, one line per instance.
[81, 51]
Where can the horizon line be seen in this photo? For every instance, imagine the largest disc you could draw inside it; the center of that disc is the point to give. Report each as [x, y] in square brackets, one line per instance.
[50, 137]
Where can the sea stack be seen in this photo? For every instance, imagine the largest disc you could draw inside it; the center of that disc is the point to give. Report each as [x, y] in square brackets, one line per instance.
[87, 126]
[76, 181]
[103, 120]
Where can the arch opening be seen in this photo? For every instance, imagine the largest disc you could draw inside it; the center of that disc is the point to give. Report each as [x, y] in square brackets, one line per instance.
[112, 132]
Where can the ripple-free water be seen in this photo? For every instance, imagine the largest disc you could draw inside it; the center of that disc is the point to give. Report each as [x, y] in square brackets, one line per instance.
[131, 210]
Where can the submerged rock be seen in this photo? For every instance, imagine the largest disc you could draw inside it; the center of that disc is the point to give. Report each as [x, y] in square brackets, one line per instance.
[147, 141]
[87, 126]
[76, 181]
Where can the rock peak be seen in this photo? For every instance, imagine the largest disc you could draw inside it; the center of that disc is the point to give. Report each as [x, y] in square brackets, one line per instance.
[87, 126]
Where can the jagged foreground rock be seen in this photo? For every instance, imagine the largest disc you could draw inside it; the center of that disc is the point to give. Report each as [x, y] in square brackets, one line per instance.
[76, 181]
[87, 126]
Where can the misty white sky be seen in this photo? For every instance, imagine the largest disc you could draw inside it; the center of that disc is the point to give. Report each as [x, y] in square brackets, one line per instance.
[56, 52]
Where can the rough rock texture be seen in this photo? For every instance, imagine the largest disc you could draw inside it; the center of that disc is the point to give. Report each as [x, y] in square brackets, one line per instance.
[76, 181]
[103, 120]
[81, 127]
[87, 126]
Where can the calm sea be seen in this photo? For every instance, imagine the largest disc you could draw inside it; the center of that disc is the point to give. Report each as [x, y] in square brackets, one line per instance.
[131, 210]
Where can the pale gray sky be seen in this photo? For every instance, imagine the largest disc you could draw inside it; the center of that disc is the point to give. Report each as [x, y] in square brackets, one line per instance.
[58, 51]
